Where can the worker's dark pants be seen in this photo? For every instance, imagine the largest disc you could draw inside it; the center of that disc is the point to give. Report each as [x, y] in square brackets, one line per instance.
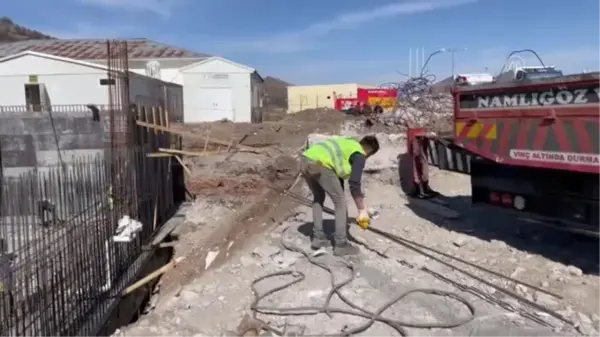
[323, 182]
[421, 167]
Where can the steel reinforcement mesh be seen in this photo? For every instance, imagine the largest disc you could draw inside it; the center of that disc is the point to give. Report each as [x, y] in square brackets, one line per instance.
[59, 263]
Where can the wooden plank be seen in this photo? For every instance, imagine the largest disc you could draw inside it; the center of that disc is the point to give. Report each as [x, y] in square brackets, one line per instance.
[207, 139]
[152, 275]
[161, 116]
[193, 135]
[187, 170]
[154, 119]
[189, 153]
[159, 155]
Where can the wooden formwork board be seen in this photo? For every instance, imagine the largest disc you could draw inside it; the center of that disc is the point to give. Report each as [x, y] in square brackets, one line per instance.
[206, 138]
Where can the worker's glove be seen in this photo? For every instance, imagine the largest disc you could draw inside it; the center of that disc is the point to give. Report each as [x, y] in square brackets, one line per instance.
[363, 219]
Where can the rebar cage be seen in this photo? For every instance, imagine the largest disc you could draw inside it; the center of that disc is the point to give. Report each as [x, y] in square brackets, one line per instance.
[59, 264]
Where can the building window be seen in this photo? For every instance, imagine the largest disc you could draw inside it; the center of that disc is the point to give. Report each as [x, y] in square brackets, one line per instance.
[33, 97]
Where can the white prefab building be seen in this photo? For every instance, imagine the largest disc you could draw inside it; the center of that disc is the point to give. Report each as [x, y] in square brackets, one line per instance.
[218, 89]
[215, 88]
[37, 80]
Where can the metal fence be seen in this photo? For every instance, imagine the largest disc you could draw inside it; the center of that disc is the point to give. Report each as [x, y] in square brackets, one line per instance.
[60, 265]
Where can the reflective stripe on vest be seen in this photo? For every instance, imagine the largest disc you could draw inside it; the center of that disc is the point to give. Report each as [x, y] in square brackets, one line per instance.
[335, 153]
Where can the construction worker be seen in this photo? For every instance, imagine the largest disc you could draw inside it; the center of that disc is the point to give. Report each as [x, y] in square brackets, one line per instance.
[325, 166]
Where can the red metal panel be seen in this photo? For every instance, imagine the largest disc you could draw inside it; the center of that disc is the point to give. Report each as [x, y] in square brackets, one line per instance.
[363, 94]
[553, 124]
[386, 98]
[345, 103]
[541, 143]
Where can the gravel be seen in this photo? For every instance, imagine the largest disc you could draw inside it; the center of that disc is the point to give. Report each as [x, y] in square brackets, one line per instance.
[216, 302]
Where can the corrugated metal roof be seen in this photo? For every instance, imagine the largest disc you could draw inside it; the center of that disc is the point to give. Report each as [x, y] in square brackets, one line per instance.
[96, 49]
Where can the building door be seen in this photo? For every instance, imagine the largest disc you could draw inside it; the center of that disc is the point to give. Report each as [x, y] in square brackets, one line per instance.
[34, 97]
[215, 104]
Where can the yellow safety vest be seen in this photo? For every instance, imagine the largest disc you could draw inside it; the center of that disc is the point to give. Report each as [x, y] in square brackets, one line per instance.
[335, 154]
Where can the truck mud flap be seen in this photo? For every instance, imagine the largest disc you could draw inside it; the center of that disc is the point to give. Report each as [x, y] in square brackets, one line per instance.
[445, 155]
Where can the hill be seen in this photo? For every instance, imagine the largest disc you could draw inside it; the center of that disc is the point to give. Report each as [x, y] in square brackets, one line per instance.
[276, 90]
[11, 32]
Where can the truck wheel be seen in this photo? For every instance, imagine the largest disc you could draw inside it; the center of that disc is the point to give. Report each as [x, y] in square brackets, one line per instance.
[406, 174]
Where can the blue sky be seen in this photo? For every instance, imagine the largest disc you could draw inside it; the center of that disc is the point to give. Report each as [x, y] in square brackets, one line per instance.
[335, 41]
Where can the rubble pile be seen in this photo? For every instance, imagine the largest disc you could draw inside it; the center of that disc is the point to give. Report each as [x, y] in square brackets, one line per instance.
[430, 111]
[433, 112]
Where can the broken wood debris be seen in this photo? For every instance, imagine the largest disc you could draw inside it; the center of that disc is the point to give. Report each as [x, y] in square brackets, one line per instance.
[189, 134]
[152, 276]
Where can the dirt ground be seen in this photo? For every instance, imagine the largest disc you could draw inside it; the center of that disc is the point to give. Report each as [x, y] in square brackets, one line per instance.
[239, 229]
[235, 188]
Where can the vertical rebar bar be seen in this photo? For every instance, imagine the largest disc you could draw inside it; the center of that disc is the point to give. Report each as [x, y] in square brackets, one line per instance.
[57, 222]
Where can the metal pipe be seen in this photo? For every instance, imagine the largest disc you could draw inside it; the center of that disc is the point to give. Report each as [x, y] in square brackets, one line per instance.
[520, 52]
[108, 270]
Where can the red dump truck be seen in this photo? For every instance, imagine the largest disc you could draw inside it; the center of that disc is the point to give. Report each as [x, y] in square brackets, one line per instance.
[530, 146]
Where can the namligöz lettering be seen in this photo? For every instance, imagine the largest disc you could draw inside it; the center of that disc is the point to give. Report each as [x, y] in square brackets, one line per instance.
[550, 97]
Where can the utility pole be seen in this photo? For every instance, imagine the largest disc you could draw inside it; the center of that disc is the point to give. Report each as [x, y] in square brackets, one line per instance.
[419, 61]
[453, 51]
[409, 62]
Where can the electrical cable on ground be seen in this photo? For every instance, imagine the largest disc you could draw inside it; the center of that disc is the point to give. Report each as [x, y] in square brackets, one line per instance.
[326, 308]
[420, 249]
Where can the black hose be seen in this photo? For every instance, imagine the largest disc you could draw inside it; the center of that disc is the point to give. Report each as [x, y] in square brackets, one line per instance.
[306, 202]
[418, 248]
[326, 308]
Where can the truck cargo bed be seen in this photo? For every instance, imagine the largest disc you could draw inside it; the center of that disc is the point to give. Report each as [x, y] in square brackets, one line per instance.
[547, 124]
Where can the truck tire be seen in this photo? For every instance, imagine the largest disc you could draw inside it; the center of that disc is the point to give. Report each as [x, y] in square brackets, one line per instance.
[406, 174]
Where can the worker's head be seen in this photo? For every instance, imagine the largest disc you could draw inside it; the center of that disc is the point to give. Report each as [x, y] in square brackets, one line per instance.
[370, 145]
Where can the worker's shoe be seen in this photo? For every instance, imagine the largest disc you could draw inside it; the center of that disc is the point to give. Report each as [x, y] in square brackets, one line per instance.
[318, 243]
[343, 249]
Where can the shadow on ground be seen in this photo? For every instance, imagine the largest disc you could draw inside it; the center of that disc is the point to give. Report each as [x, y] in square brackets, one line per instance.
[329, 228]
[490, 223]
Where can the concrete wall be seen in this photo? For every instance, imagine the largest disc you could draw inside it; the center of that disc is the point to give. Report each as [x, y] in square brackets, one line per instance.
[212, 74]
[28, 143]
[153, 92]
